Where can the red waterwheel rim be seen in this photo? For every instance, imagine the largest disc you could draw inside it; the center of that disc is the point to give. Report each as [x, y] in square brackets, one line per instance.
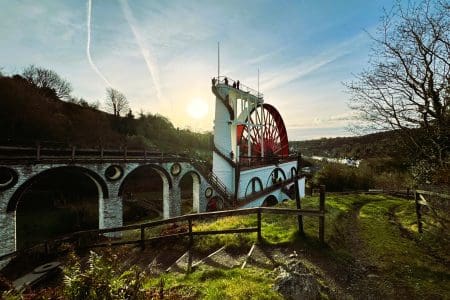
[273, 131]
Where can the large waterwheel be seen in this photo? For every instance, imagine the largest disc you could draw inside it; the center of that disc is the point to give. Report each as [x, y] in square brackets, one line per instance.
[263, 136]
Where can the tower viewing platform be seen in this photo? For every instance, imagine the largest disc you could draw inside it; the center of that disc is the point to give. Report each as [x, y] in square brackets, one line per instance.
[226, 85]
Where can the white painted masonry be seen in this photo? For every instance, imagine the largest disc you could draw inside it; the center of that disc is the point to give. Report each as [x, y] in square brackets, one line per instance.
[264, 174]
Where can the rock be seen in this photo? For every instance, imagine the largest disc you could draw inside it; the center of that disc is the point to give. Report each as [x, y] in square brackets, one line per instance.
[293, 255]
[296, 283]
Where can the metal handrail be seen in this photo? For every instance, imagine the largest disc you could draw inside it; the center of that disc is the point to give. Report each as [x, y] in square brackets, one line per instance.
[242, 87]
[212, 178]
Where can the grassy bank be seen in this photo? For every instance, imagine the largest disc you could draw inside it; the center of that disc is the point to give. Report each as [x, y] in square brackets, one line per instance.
[372, 249]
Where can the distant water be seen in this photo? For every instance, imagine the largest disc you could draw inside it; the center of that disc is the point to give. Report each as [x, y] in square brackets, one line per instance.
[344, 161]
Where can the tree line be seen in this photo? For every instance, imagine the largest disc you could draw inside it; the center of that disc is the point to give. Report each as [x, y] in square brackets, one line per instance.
[37, 105]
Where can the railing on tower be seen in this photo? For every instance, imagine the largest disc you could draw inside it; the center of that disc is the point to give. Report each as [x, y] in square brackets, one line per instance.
[225, 80]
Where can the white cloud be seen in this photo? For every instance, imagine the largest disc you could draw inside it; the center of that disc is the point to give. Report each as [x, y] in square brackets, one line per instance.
[277, 77]
[88, 45]
[149, 58]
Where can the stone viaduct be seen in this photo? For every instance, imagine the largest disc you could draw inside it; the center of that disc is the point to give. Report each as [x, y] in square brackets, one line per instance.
[19, 170]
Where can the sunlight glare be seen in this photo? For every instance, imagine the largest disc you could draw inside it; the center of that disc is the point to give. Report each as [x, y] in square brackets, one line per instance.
[197, 108]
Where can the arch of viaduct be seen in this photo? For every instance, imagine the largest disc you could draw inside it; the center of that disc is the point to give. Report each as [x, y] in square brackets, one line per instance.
[109, 178]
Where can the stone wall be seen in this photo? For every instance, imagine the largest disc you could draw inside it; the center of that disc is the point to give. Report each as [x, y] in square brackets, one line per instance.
[109, 198]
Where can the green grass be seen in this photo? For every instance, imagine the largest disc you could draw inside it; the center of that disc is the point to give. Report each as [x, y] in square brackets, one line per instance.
[386, 226]
[276, 229]
[215, 284]
[402, 260]
[383, 228]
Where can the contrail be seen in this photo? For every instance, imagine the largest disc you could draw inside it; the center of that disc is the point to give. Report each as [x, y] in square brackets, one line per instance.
[149, 59]
[88, 46]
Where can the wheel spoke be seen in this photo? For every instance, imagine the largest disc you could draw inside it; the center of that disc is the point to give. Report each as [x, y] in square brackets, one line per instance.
[269, 133]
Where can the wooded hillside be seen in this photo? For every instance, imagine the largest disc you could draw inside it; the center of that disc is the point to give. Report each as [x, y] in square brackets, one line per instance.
[29, 113]
[359, 147]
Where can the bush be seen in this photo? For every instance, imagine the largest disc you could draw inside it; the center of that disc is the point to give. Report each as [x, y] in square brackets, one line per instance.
[380, 175]
[100, 279]
[338, 177]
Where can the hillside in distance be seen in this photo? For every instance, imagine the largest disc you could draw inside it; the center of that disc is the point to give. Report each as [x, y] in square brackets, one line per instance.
[30, 114]
[373, 145]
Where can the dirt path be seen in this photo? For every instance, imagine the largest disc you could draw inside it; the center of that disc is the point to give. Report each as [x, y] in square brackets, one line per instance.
[359, 276]
[431, 251]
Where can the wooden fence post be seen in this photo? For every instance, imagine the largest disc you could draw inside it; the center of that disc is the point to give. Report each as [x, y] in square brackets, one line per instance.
[418, 212]
[73, 153]
[142, 237]
[191, 243]
[322, 218]
[299, 206]
[259, 226]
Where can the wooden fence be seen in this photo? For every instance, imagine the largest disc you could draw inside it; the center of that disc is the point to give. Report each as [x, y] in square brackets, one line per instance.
[435, 205]
[406, 193]
[83, 239]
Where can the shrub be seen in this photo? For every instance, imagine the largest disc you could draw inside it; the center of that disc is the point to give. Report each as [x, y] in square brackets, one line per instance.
[338, 177]
[101, 279]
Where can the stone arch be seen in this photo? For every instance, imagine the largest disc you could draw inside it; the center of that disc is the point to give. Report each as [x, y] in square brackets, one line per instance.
[167, 185]
[160, 170]
[270, 200]
[15, 222]
[276, 176]
[196, 184]
[254, 185]
[93, 176]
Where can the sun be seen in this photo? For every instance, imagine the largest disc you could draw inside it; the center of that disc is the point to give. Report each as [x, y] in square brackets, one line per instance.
[197, 108]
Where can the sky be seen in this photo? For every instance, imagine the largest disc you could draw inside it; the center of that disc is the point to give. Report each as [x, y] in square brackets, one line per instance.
[163, 54]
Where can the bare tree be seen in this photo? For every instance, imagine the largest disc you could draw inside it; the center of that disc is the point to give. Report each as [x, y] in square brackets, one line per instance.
[48, 79]
[116, 102]
[407, 86]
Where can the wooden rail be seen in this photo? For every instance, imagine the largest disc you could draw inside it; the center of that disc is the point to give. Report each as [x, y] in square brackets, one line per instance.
[403, 193]
[40, 153]
[78, 237]
[421, 201]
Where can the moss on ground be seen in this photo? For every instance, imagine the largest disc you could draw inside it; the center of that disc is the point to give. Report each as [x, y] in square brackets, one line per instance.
[250, 283]
[387, 234]
[403, 261]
